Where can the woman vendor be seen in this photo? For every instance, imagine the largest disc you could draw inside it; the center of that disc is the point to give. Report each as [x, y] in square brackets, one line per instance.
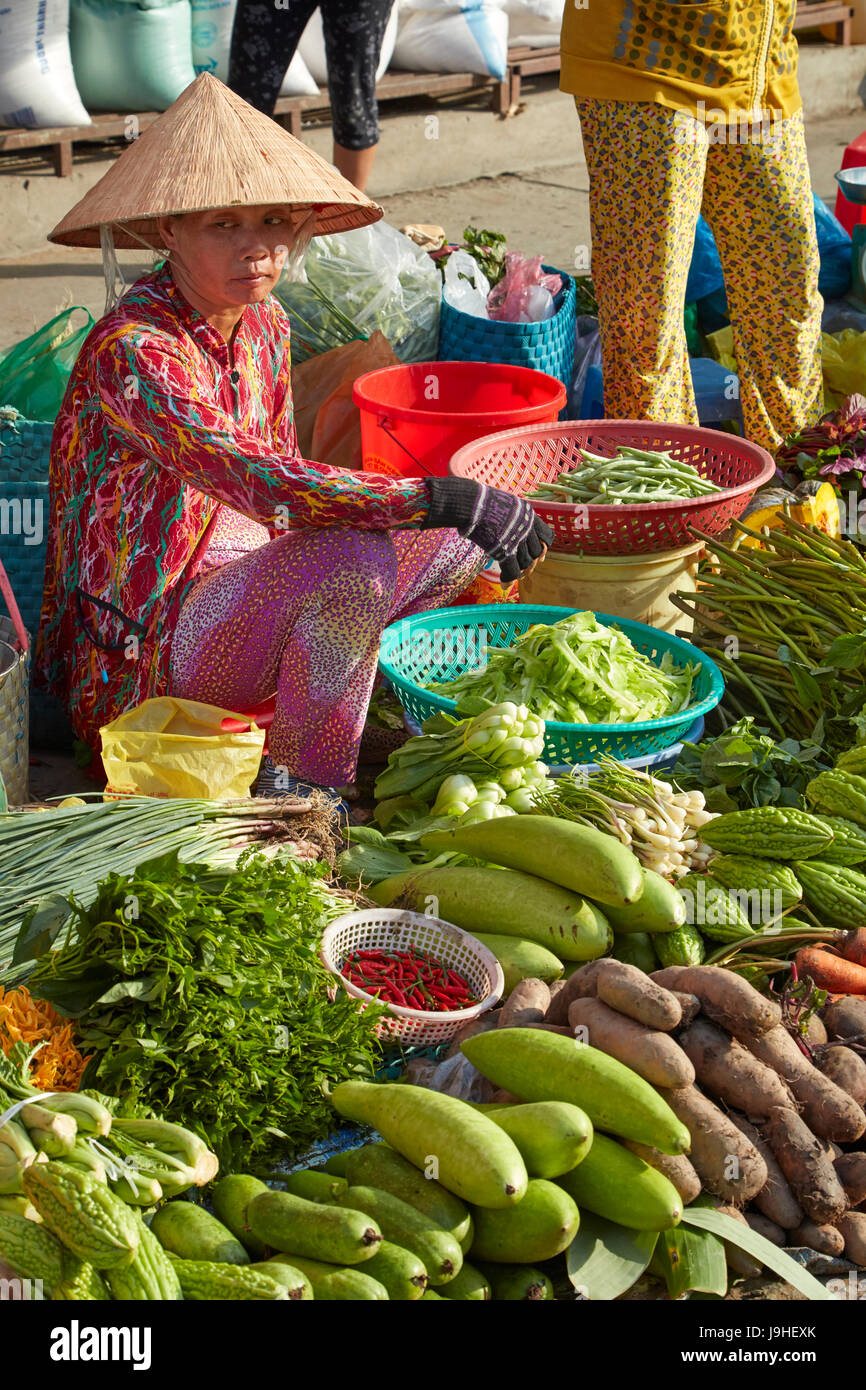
[689, 108]
[192, 551]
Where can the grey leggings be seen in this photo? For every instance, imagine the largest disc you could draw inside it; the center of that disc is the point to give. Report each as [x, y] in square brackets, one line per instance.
[264, 40]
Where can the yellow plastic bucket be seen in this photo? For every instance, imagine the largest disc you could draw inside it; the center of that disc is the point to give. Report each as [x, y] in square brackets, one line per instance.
[629, 586]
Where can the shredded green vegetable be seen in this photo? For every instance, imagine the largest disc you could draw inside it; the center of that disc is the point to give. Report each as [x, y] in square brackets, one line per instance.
[631, 476]
[577, 671]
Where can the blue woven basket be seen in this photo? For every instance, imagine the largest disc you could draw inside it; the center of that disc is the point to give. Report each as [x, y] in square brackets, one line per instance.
[25, 446]
[432, 647]
[547, 346]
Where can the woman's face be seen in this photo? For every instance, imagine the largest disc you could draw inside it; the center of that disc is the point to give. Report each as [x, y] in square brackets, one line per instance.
[230, 256]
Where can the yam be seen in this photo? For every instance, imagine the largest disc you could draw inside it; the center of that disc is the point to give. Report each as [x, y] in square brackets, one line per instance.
[775, 1200]
[675, 1167]
[842, 1066]
[628, 990]
[852, 1228]
[738, 1260]
[478, 1025]
[846, 1018]
[726, 998]
[810, 1173]
[827, 1240]
[580, 985]
[555, 986]
[763, 1226]
[690, 1007]
[727, 1163]
[828, 1110]
[527, 1003]
[551, 1028]
[730, 1072]
[652, 1054]
[851, 1170]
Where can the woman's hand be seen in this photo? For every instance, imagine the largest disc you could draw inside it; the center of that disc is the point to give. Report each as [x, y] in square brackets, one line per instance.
[505, 527]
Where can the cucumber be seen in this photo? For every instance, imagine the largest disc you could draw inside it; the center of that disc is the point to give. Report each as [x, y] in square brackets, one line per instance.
[404, 1225]
[552, 1135]
[401, 1272]
[337, 1163]
[616, 1184]
[518, 1283]
[469, 1284]
[315, 1186]
[535, 1065]
[192, 1233]
[538, 1228]
[635, 948]
[298, 1227]
[574, 856]
[659, 908]
[378, 1165]
[521, 960]
[231, 1196]
[293, 1280]
[333, 1284]
[474, 1158]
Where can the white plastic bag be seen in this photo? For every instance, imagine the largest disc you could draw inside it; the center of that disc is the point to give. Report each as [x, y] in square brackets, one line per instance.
[212, 22]
[37, 85]
[466, 285]
[312, 47]
[453, 36]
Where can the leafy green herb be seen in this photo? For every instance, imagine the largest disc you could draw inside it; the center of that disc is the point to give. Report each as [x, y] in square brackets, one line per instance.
[488, 249]
[746, 767]
[203, 1000]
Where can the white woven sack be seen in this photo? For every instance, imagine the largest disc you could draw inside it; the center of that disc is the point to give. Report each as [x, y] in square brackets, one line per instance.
[37, 86]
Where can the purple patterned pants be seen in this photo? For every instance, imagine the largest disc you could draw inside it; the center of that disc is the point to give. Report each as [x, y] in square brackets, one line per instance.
[303, 616]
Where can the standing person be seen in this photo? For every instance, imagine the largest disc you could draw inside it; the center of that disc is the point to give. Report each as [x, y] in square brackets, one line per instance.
[191, 549]
[685, 109]
[264, 40]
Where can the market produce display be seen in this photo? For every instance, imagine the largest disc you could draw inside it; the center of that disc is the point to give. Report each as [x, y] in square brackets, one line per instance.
[632, 476]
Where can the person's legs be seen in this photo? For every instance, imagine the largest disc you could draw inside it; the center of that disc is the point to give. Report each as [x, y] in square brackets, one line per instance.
[645, 187]
[353, 32]
[759, 204]
[263, 44]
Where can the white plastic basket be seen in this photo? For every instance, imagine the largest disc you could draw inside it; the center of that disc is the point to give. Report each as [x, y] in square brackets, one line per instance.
[391, 929]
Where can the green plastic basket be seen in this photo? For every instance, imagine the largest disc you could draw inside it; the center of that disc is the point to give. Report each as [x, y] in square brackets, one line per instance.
[437, 646]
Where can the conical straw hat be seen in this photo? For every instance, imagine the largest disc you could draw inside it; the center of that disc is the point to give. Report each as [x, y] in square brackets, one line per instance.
[211, 149]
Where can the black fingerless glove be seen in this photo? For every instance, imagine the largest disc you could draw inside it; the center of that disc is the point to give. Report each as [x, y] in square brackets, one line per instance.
[506, 528]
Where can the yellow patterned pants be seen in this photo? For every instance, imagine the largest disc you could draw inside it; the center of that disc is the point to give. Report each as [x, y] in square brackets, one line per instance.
[651, 172]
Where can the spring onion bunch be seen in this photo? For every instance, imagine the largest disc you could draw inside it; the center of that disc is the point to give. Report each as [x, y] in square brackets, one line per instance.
[632, 476]
[577, 671]
[655, 820]
[468, 770]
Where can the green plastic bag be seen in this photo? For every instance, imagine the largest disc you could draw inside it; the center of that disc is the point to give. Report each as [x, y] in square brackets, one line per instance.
[33, 375]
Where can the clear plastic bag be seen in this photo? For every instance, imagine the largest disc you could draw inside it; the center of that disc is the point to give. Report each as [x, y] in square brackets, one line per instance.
[587, 353]
[466, 285]
[456, 1076]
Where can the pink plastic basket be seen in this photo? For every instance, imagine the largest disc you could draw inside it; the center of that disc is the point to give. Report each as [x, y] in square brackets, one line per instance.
[520, 460]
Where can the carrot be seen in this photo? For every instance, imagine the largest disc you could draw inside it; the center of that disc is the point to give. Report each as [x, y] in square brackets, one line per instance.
[830, 1112]
[730, 1072]
[853, 1231]
[829, 970]
[851, 1169]
[846, 1017]
[853, 946]
[813, 1178]
[775, 1200]
[628, 990]
[527, 1003]
[649, 1052]
[843, 1067]
[725, 998]
[827, 1240]
[723, 1158]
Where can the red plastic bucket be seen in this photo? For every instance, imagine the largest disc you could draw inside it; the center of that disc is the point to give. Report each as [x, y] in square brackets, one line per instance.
[415, 416]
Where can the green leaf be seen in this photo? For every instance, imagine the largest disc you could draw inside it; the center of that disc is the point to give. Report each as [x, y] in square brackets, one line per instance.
[604, 1259]
[691, 1259]
[847, 652]
[40, 927]
[144, 989]
[761, 1249]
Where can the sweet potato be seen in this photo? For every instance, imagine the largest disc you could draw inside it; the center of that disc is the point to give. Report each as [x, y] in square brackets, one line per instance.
[727, 1163]
[812, 1177]
[851, 1169]
[775, 1200]
[852, 1228]
[527, 1003]
[555, 986]
[845, 1069]
[551, 1028]
[652, 1054]
[816, 1033]
[478, 1025]
[765, 1227]
[828, 1110]
[580, 985]
[846, 1018]
[690, 1007]
[675, 1167]
[631, 992]
[725, 998]
[738, 1260]
[827, 1240]
[730, 1072]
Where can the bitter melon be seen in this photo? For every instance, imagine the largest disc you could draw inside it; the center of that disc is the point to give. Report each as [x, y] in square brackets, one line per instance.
[770, 832]
[84, 1214]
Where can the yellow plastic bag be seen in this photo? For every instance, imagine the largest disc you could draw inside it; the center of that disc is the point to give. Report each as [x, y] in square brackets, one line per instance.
[844, 360]
[178, 748]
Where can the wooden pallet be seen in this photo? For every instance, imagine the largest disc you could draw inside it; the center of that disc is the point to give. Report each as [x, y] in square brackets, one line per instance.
[812, 15]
